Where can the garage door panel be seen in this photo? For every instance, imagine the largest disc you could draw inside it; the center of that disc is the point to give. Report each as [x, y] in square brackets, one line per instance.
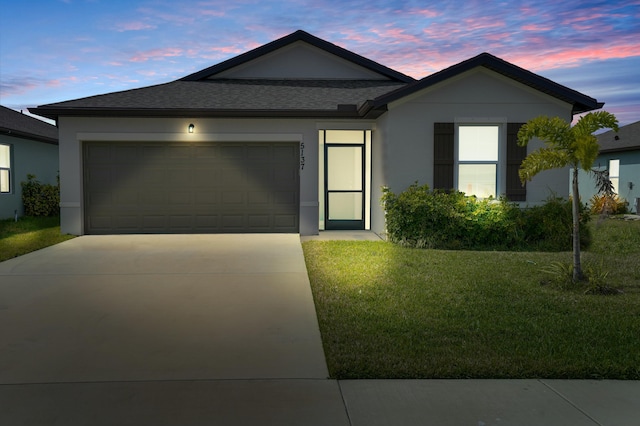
[259, 153]
[258, 198]
[154, 198]
[206, 198]
[180, 198]
[205, 152]
[207, 176]
[146, 187]
[127, 222]
[99, 154]
[233, 199]
[259, 222]
[284, 221]
[126, 198]
[232, 151]
[99, 200]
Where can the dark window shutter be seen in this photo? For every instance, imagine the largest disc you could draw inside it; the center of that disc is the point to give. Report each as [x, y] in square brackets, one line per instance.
[516, 191]
[443, 141]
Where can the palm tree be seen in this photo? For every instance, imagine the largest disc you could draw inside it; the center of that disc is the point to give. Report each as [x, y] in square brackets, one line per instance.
[575, 146]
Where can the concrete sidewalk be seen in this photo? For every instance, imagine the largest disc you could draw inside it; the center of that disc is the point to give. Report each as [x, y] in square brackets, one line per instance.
[324, 402]
[221, 329]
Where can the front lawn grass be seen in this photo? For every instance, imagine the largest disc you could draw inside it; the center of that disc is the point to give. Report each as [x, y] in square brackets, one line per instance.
[391, 312]
[28, 234]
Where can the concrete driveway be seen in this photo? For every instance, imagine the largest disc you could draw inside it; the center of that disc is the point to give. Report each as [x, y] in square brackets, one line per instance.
[159, 307]
[158, 318]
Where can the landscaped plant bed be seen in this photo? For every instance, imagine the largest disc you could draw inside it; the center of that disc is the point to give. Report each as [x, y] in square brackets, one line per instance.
[29, 234]
[391, 312]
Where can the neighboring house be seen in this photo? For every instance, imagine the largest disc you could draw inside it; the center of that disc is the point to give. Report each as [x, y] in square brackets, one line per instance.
[620, 154]
[298, 135]
[27, 146]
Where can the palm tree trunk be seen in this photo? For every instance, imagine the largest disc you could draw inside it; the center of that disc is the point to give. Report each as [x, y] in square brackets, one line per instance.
[575, 210]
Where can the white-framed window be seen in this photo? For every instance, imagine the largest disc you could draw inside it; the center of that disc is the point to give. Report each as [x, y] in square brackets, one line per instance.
[478, 155]
[5, 169]
[614, 174]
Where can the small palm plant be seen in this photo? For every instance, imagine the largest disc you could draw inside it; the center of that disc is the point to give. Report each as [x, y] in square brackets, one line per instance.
[575, 146]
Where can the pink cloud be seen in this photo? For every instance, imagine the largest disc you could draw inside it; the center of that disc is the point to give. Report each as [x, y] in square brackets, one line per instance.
[133, 26]
[208, 12]
[427, 13]
[536, 27]
[552, 59]
[147, 73]
[156, 54]
[396, 36]
[478, 24]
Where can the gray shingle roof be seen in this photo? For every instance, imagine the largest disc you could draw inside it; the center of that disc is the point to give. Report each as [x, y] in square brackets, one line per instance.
[628, 139]
[23, 126]
[225, 96]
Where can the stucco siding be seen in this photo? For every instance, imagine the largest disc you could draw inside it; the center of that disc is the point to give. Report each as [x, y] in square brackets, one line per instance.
[478, 96]
[29, 157]
[300, 61]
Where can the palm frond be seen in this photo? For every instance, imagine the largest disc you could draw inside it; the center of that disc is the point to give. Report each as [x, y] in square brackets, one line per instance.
[542, 159]
[595, 121]
[553, 131]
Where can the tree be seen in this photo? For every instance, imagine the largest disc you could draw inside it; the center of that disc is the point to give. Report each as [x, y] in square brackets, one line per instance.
[575, 146]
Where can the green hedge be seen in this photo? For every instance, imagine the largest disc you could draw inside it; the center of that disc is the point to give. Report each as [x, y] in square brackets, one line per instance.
[40, 199]
[420, 217]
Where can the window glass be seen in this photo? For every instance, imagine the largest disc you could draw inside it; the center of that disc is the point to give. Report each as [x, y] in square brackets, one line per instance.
[345, 206]
[345, 136]
[5, 157]
[4, 180]
[477, 179]
[478, 151]
[478, 143]
[614, 174]
[5, 168]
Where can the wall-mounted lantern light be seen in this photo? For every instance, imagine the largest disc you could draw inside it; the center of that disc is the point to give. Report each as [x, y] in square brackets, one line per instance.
[191, 127]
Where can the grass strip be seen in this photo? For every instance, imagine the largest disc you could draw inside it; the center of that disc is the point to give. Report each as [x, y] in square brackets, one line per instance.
[29, 234]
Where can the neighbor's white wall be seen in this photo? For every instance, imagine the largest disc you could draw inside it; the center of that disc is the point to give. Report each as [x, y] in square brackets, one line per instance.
[405, 132]
[75, 130]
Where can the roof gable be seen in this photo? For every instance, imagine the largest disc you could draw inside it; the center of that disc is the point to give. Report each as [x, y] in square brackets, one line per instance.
[20, 125]
[581, 103]
[304, 56]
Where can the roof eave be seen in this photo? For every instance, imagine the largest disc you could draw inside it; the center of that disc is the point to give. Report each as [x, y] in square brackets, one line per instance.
[623, 149]
[27, 135]
[55, 113]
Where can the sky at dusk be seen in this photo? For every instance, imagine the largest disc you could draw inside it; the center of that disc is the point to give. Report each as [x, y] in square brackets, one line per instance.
[57, 50]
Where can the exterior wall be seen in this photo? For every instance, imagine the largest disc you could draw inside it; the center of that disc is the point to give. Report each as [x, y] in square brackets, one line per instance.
[73, 131]
[629, 173]
[405, 133]
[300, 60]
[29, 157]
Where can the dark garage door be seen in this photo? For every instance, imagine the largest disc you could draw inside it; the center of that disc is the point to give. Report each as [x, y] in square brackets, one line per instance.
[171, 187]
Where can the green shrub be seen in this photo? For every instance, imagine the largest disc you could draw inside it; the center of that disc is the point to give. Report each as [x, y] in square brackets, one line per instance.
[420, 217]
[549, 227]
[40, 199]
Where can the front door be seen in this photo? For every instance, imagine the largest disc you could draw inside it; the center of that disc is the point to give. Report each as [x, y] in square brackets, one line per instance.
[344, 186]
